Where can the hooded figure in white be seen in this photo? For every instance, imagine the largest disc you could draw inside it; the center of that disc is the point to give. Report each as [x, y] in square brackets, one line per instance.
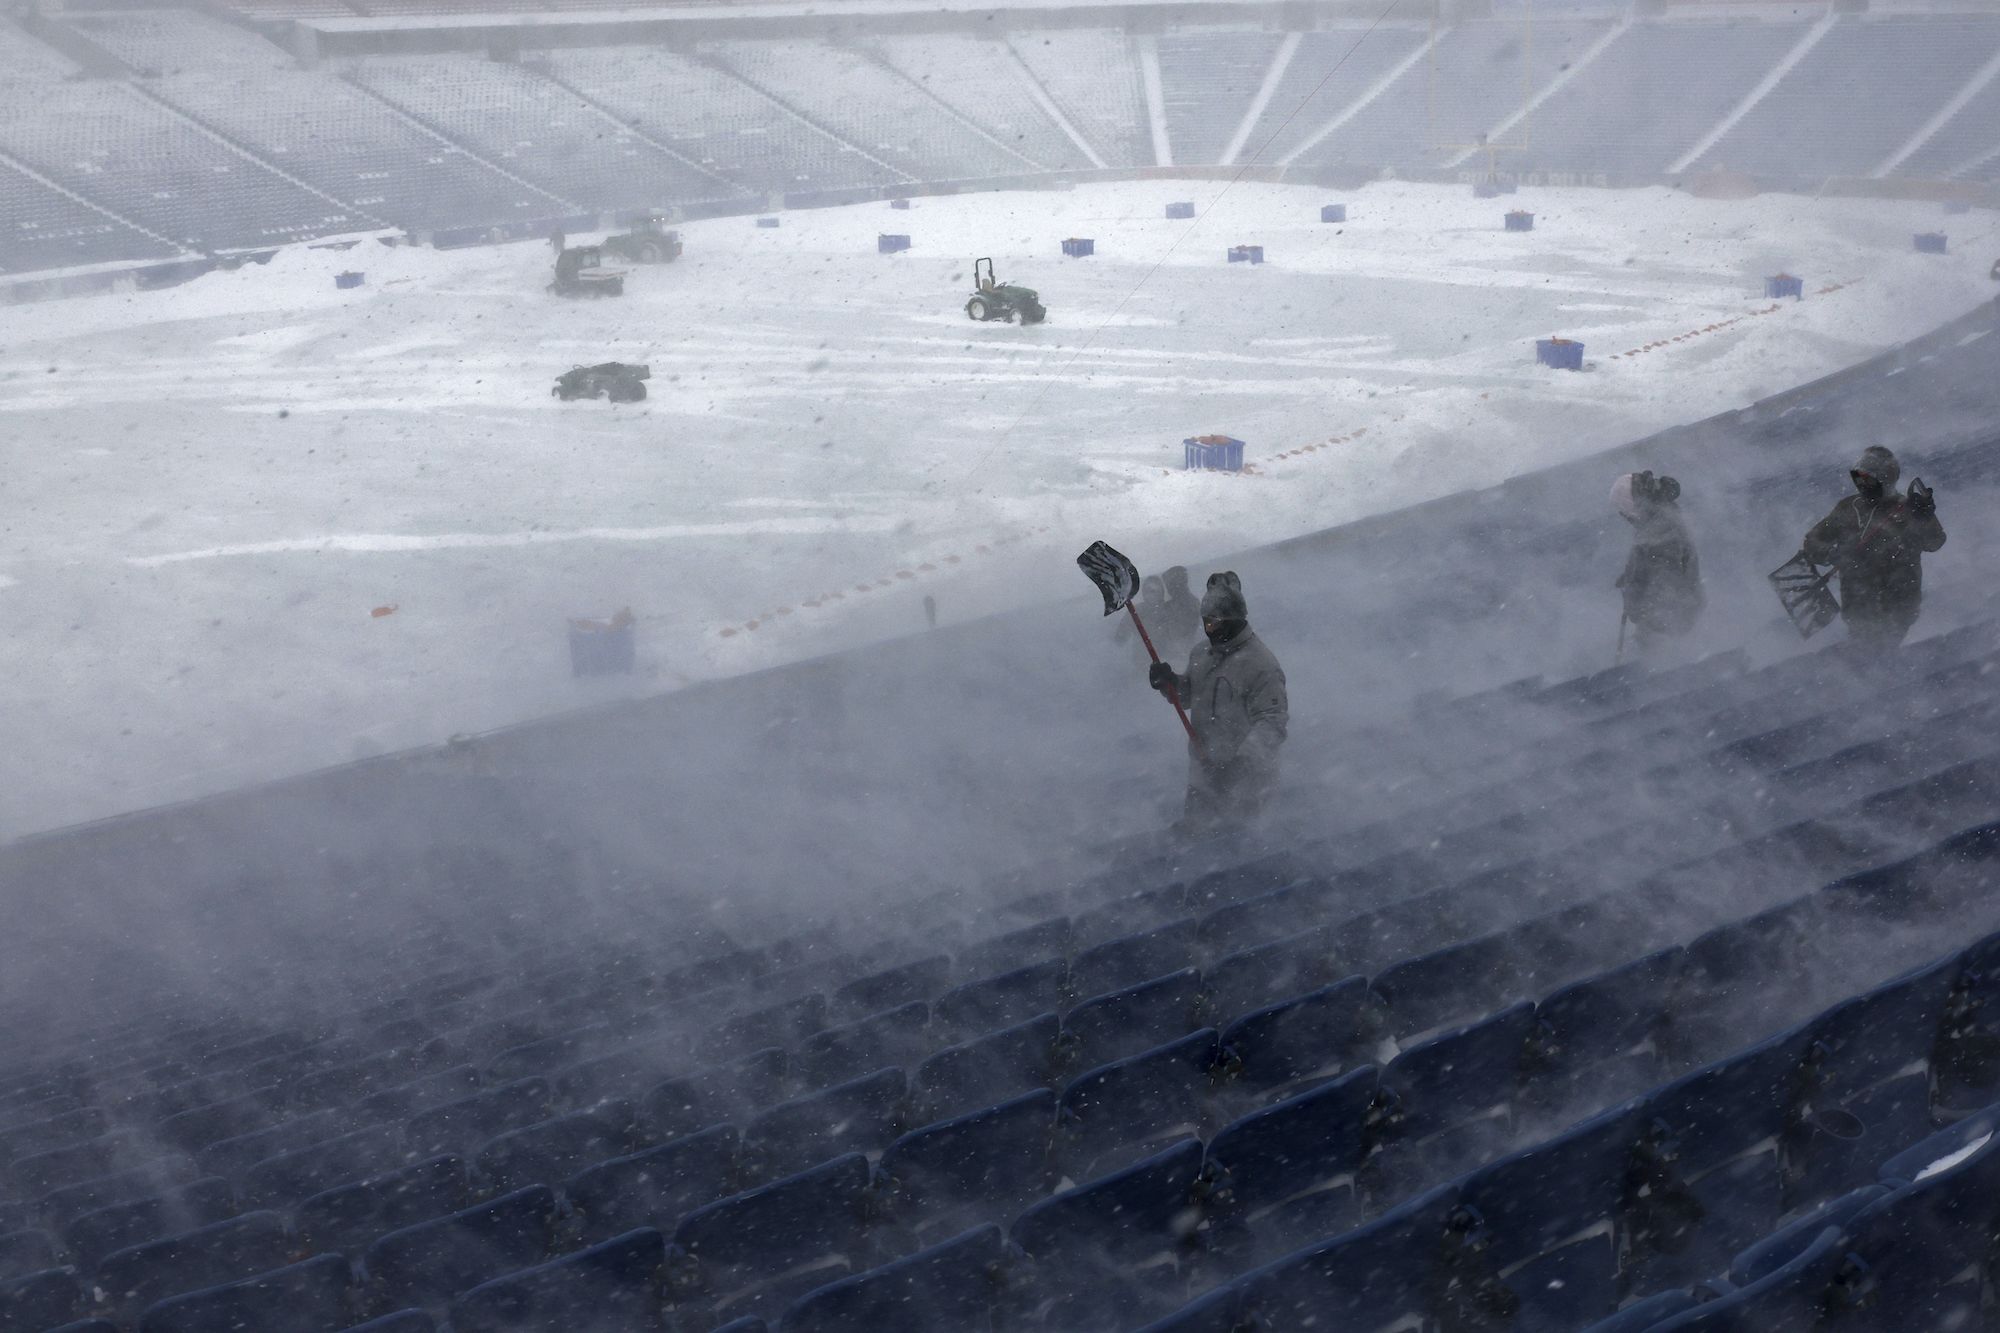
[1234, 693]
[1662, 577]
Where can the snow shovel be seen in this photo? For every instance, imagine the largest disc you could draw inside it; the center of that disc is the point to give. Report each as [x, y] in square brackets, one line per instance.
[1118, 579]
[1802, 590]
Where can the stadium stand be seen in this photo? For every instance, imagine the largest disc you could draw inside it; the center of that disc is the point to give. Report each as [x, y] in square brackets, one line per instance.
[1208, 77]
[1811, 125]
[982, 81]
[716, 120]
[539, 130]
[869, 105]
[115, 146]
[46, 229]
[1329, 72]
[1093, 75]
[1653, 93]
[1473, 1042]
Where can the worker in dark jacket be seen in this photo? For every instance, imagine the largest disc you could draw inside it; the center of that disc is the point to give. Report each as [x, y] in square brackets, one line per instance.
[1875, 540]
[1661, 581]
[1234, 693]
[1177, 622]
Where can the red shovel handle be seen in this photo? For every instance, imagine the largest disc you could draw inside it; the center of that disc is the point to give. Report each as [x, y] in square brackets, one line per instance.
[1173, 693]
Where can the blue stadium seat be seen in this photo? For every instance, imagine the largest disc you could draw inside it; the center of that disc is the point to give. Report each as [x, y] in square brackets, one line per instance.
[1105, 1027]
[346, 1218]
[62, 1206]
[910, 983]
[135, 1277]
[1001, 1001]
[625, 1072]
[229, 1118]
[657, 1186]
[891, 1037]
[402, 1321]
[87, 1326]
[1111, 1115]
[1925, 1250]
[1311, 1036]
[747, 1324]
[46, 1172]
[308, 1297]
[615, 1284]
[1869, 1082]
[556, 1148]
[1111, 1252]
[403, 1100]
[1454, 984]
[22, 1137]
[1016, 948]
[431, 1262]
[96, 1234]
[553, 1052]
[1265, 974]
[1789, 1241]
[40, 1300]
[1595, 1038]
[291, 1176]
[25, 1252]
[986, 1069]
[1708, 1161]
[229, 1157]
[1641, 1315]
[1958, 1140]
[1792, 1297]
[1446, 1103]
[1284, 1176]
[1131, 959]
[860, 1115]
[473, 1120]
[816, 1218]
[784, 1024]
[1371, 1277]
[1371, 942]
[984, 1165]
[952, 1285]
[1542, 1216]
[680, 1106]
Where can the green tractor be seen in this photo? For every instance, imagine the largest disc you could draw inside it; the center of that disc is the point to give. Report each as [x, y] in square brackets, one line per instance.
[649, 242]
[1001, 300]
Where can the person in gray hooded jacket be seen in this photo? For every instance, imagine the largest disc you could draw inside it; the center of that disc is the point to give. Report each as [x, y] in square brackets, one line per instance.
[1234, 693]
[1876, 540]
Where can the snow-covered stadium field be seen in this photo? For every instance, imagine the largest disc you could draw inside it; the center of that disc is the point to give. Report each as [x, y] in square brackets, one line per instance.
[210, 490]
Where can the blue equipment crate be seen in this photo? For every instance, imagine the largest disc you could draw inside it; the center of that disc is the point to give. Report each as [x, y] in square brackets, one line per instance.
[1333, 212]
[601, 647]
[348, 279]
[1180, 210]
[767, 222]
[1212, 453]
[1520, 220]
[1783, 285]
[886, 244]
[1559, 353]
[1076, 247]
[1246, 254]
[1930, 242]
[899, 203]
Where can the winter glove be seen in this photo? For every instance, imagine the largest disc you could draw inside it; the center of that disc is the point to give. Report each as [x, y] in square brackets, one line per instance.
[1923, 501]
[1159, 676]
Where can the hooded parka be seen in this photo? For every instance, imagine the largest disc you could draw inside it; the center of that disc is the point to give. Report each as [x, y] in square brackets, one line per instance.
[1876, 545]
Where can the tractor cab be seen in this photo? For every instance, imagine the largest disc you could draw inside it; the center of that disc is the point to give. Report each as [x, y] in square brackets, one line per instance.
[1001, 300]
[650, 241]
[580, 271]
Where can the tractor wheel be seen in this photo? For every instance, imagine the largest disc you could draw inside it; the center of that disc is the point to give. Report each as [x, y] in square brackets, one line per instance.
[649, 253]
[976, 308]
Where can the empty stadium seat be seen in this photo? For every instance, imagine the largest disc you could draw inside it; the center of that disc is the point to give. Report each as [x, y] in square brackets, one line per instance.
[139, 1275]
[861, 1114]
[429, 1263]
[615, 1283]
[306, 1297]
[987, 1069]
[1110, 1251]
[656, 1186]
[1111, 1115]
[345, 1218]
[815, 1218]
[1284, 1176]
[95, 1234]
[954, 1284]
[984, 1165]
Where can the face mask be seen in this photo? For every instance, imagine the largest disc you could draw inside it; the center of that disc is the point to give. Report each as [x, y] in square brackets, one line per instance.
[1870, 487]
[1222, 631]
